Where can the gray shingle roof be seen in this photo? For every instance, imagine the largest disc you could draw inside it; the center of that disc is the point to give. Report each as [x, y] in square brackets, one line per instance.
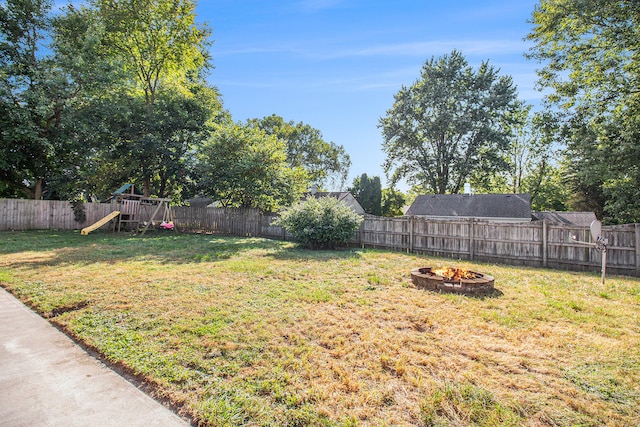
[473, 206]
[340, 195]
[583, 219]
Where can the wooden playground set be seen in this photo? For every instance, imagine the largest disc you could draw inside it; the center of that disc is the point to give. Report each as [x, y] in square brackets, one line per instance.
[135, 213]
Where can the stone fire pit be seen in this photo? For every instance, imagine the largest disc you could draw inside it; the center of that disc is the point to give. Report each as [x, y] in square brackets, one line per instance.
[452, 280]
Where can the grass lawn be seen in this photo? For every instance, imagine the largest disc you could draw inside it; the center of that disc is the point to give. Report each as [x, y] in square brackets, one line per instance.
[249, 331]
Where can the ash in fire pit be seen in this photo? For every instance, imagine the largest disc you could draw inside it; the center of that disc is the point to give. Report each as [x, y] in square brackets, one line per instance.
[455, 280]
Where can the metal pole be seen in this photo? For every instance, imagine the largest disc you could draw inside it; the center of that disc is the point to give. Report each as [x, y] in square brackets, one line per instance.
[604, 263]
[601, 245]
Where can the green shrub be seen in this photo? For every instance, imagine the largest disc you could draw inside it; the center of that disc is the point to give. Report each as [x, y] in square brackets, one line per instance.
[79, 213]
[320, 223]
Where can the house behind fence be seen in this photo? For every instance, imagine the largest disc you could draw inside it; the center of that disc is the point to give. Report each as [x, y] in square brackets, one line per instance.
[537, 243]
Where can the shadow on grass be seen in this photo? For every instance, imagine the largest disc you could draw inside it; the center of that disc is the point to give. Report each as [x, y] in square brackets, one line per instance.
[496, 293]
[70, 247]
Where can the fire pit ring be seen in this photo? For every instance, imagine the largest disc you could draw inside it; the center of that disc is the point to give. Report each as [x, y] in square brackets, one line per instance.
[476, 284]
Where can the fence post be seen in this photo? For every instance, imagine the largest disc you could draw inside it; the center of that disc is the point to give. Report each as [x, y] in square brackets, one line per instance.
[637, 227]
[411, 234]
[472, 233]
[544, 243]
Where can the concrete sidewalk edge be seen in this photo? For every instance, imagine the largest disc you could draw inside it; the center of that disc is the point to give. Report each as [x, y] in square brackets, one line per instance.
[50, 378]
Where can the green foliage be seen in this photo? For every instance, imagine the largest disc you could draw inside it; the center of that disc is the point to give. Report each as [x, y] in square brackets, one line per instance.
[591, 56]
[161, 50]
[33, 95]
[368, 192]
[244, 167]
[117, 95]
[451, 122]
[325, 162]
[590, 50]
[161, 141]
[158, 41]
[79, 212]
[532, 163]
[548, 191]
[529, 154]
[392, 202]
[322, 223]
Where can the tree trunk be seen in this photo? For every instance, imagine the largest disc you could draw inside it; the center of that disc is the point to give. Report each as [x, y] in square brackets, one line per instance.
[37, 194]
[146, 186]
[162, 174]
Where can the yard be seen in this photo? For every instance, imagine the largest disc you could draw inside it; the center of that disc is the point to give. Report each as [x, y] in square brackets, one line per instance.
[249, 331]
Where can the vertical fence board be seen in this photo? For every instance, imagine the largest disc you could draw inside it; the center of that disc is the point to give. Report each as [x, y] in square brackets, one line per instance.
[637, 248]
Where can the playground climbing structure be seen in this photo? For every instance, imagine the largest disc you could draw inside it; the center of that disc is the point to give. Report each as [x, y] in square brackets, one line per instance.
[136, 213]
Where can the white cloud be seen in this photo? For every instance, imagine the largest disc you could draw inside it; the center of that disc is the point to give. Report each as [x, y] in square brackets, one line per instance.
[422, 49]
[428, 48]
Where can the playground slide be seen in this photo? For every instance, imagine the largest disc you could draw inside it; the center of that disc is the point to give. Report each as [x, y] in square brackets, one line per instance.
[100, 223]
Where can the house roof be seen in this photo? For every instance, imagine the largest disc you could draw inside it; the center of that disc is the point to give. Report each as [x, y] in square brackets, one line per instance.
[340, 195]
[583, 219]
[473, 206]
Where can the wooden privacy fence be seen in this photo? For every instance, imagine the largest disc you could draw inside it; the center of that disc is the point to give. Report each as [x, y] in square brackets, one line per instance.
[540, 243]
[236, 222]
[21, 214]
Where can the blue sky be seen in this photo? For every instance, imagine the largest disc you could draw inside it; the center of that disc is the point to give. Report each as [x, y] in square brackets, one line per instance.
[336, 64]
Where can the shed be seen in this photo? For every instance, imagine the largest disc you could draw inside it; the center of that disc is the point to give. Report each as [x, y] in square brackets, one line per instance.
[487, 207]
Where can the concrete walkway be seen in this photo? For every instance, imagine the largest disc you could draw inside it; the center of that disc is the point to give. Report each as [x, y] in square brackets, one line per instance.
[47, 380]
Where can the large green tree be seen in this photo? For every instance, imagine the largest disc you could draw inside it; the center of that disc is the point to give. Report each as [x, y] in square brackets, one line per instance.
[326, 163]
[532, 162]
[241, 166]
[590, 51]
[182, 121]
[368, 192]
[96, 95]
[161, 51]
[34, 92]
[448, 124]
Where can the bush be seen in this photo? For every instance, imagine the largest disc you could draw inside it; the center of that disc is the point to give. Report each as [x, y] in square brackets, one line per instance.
[79, 213]
[320, 223]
